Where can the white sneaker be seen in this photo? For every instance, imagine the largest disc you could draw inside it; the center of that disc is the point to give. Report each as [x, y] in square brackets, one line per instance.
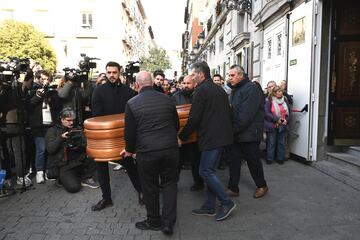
[118, 167]
[40, 177]
[27, 180]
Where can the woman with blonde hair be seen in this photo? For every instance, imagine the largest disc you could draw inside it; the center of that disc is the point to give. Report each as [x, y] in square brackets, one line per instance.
[277, 116]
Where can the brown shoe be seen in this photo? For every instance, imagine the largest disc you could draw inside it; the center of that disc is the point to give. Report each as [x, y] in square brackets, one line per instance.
[232, 193]
[260, 192]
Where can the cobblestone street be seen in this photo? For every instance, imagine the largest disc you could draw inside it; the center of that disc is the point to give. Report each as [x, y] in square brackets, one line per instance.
[302, 203]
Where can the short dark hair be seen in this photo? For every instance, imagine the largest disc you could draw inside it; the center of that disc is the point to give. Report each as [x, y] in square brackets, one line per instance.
[114, 64]
[43, 72]
[218, 75]
[203, 67]
[181, 78]
[159, 72]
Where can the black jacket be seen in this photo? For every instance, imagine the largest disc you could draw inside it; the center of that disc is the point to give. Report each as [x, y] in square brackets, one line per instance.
[181, 97]
[247, 103]
[56, 148]
[151, 122]
[210, 116]
[34, 105]
[110, 99]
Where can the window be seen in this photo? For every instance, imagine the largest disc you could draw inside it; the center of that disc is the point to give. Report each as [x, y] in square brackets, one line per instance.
[240, 22]
[269, 42]
[87, 21]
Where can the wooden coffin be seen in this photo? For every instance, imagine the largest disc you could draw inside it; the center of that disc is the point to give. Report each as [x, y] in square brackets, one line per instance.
[105, 134]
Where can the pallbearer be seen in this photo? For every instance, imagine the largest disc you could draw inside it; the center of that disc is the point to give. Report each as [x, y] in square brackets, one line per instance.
[151, 125]
[111, 98]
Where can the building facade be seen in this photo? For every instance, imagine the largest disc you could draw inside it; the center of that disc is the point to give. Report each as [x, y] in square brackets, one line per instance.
[314, 45]
[112, 30]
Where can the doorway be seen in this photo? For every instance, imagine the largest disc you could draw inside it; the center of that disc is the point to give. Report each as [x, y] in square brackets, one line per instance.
[344, 95]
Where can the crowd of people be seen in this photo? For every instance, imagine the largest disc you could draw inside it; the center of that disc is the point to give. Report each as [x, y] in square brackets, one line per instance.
[42, 137]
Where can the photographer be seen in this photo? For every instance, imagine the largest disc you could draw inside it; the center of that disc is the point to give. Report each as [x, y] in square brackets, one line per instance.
[12, 124]
[42, 106]
[74, 90]
[67, 158]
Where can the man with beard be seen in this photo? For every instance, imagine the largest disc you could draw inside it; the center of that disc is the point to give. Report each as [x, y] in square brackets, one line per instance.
[189, 152]
[159, 77]
[111, 98]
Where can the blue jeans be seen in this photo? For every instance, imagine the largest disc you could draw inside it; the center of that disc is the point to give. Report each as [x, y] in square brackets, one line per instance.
[209, 161]
[275, 143]
[40, 153]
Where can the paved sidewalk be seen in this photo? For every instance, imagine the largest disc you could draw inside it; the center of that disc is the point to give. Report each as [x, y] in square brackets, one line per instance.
[302, 204]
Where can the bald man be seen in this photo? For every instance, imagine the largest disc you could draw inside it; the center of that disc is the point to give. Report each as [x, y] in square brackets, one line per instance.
[151, 126]
[189, 152]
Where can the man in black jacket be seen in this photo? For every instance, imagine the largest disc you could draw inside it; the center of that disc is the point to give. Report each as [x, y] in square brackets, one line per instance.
[247, 103]
[43, 107]
[67, 160]
[111, 98]
[151, 125]
[189, 152]
[210, 107]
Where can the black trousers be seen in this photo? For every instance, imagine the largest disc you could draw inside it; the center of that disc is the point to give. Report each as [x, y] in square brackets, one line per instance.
[190, 152]
[163, 165]
[104, 178]
[71, 177]
[249, 151]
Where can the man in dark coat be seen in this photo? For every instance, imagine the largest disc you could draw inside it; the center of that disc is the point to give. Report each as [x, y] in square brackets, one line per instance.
[210, 107]
[247, 102]
[190, 151]
[151, 126]
[111, 98]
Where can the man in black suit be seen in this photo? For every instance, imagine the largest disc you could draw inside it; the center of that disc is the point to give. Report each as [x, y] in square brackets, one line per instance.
[111, 98]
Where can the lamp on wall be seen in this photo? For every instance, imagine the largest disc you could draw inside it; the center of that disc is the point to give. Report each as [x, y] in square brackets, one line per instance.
[201, 37]
[239, 5]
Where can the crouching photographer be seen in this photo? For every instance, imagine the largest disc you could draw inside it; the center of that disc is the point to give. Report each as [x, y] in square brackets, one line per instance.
[67, 160]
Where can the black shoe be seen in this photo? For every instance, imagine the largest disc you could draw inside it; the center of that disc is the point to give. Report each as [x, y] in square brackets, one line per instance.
[268, 162]
[196, 187]
[101, 205]
[145, 225]
[281, 162]
[167, 230]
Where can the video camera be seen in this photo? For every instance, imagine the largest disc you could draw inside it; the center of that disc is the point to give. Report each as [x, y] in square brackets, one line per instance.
[86, 63]
[75, 75]
[82, 74]
[48, 89]
[130, 69]
[11, 70]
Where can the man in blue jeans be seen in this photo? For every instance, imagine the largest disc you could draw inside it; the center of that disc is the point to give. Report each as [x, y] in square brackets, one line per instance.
[210, 107]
